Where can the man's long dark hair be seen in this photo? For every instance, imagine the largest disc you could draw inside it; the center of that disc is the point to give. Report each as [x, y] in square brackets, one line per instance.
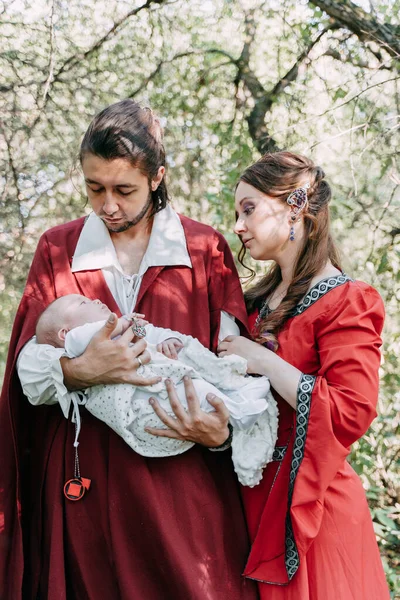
[127, 130]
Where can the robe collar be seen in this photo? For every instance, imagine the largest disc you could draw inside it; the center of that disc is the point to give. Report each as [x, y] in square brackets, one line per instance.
[167, 245]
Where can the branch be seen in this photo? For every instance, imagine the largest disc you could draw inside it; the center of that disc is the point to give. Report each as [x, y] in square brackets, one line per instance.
[162, 63]
[74, 60]
[14, 174]
[263, 99]
[334, 108]
[51, 57]
[360, 63]
[394, 232]
[365, 25]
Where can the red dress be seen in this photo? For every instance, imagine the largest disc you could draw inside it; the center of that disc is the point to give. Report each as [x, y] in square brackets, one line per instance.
[148, 529]
[309, 522]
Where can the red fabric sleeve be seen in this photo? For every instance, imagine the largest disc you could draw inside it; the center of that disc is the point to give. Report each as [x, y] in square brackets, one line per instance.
[14, 410]
[225, 292]
[349, 351]
[38, 294]
[335, 407]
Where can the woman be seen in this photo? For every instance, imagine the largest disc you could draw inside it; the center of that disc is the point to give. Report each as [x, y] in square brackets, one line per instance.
[143, 528]
[309, 523]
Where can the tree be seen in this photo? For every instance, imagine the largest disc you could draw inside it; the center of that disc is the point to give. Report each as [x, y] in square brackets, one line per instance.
[231, 79]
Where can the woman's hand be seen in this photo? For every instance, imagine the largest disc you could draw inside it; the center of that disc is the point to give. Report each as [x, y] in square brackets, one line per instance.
[283, 376]
[254, 353]
[193, 424]
[108, 361]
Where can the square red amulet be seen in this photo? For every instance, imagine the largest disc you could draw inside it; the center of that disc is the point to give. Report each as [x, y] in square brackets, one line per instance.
[74, 490]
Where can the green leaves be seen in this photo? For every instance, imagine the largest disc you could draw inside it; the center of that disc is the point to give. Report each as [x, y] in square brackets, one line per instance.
[340, 106]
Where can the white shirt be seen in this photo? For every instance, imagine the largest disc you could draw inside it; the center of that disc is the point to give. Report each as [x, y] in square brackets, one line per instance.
[95, 250]
[38, 365]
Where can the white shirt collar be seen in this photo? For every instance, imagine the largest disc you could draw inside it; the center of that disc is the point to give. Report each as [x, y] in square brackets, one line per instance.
[167, 245]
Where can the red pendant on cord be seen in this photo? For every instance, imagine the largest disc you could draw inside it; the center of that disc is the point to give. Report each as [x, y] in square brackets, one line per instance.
[76, 488]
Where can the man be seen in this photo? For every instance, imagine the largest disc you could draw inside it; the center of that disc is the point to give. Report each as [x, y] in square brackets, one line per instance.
[146, 528]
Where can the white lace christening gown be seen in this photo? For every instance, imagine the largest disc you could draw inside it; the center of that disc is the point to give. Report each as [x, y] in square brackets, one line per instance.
[126, 409]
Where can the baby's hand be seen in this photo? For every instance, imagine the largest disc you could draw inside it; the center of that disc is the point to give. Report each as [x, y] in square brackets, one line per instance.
[170, 347]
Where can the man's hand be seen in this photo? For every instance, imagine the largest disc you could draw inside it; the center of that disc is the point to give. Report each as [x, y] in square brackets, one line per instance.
[108, 361]
[194, 425]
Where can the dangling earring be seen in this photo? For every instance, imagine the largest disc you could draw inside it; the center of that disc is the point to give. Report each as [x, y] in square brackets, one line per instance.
[298, 201]
[291, 233]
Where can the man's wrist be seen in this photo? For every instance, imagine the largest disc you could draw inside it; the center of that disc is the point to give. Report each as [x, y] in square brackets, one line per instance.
[226, 444]
[70, 368]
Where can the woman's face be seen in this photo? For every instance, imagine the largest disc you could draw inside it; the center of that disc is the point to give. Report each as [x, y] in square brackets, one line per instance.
[262, 222]
[118, 192]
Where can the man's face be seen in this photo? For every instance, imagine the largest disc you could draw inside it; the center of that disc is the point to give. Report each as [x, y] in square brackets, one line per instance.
[118, 192]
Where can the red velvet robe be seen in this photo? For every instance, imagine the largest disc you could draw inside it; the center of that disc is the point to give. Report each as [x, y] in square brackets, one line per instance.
[148, 528]
[311, 530]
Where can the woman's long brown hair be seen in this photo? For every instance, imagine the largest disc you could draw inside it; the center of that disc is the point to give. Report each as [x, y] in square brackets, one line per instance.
[277, 175]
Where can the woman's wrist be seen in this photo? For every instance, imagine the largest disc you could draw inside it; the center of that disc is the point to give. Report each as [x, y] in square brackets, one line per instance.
[261, 365]
[284, 377]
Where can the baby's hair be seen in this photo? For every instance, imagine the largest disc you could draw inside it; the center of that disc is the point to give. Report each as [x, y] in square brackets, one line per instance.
[46, 327]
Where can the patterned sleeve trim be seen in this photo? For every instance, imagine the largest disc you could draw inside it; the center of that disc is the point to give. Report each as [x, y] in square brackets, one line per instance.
[304, 393]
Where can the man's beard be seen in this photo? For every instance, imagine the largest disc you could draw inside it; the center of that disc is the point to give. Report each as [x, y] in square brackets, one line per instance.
[128, 224]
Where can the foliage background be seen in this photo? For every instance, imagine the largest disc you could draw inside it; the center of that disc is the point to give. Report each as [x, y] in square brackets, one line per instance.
[229, 79]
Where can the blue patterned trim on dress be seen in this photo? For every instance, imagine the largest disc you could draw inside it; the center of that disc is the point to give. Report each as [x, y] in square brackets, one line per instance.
[279, 453]
[304, 393]
[316, 292]
[319, 290]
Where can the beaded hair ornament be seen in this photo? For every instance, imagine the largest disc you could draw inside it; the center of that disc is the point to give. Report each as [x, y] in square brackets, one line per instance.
[298, 201]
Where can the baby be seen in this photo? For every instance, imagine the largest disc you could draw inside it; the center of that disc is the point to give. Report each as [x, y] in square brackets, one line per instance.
[71, 321]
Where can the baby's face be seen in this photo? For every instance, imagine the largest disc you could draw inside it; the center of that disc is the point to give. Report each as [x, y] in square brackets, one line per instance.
[78, 310]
